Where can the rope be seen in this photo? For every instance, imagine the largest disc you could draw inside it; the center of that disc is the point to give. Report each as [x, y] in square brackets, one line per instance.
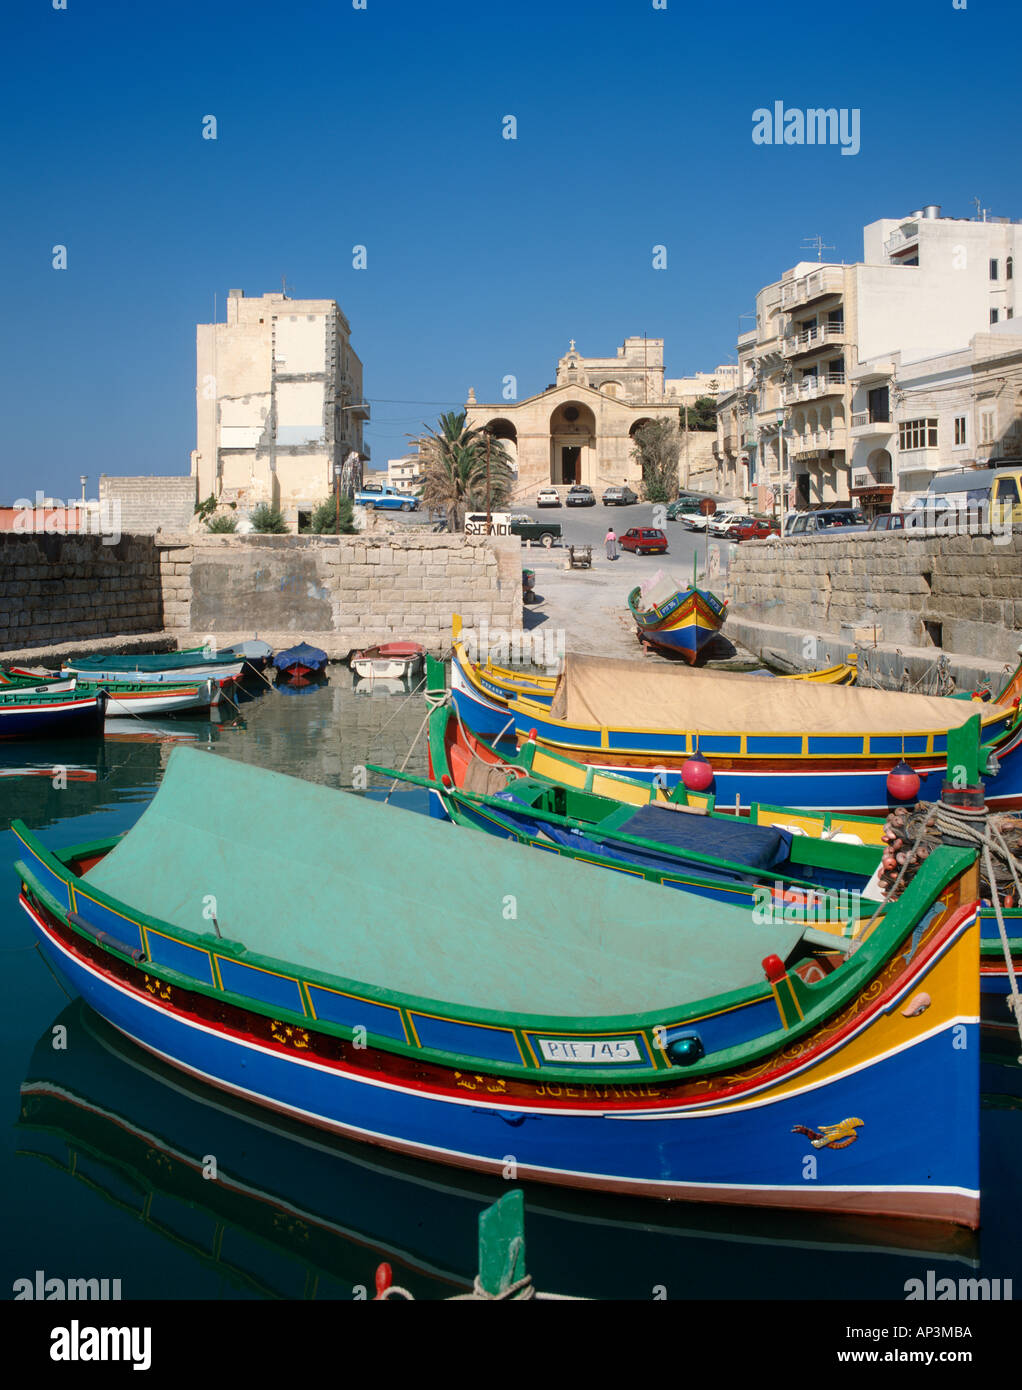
[434, 700]
[519, 1290]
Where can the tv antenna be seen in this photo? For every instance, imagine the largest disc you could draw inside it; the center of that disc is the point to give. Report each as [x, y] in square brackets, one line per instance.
[817, 244]
[284, 286]
[981, 211]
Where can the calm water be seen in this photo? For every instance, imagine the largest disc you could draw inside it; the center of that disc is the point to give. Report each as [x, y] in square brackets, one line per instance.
[102, 1155]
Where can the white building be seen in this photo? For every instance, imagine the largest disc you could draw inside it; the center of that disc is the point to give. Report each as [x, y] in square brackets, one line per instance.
[279, 403]
[404, 473]
[927, 285]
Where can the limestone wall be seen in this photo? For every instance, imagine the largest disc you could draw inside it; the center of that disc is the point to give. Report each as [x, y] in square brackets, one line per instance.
[961, 593]
[57, 589]
[148, 505]
[340, 592]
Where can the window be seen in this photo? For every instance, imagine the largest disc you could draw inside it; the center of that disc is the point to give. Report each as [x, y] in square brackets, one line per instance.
[878, 404]
[1009, 268]
[986, 427]
[961, 433]
[993, 315]
[917, 434]
[993, 270]
[1010, 314]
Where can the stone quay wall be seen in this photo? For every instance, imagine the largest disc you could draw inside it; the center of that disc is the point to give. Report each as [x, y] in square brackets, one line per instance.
[958, 593]
[339, 593]
[57, 589]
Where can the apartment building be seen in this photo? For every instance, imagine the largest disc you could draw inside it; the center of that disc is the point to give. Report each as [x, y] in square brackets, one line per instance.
[926, 285]
[279, 404]
[405, 473]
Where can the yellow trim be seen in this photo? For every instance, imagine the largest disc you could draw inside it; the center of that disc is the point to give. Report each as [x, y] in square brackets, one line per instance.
[466, 1023]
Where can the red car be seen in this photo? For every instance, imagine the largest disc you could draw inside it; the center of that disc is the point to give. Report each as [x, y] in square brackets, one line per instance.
[644, 540]
[754, 528]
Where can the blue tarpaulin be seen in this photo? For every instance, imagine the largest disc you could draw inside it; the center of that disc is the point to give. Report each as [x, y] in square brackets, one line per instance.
[302, 655]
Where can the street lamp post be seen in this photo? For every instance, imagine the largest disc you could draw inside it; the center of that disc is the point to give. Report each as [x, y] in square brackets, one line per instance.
[780, 455]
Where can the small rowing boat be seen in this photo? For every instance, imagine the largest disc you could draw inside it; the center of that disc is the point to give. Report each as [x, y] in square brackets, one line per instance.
[389, 660]
[679, 621]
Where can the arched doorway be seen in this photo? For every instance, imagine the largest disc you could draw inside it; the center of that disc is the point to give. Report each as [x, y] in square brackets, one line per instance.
[572, 444]
[505, 431]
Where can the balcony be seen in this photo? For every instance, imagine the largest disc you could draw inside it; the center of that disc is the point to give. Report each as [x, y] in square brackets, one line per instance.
[812, 339]
[829, 280]
[904, 236]
[864, 426]
[869, 478]
[811, 388]
[816, 442]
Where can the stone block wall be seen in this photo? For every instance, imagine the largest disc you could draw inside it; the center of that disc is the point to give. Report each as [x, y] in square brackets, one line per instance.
[148, 505]
[342, 592]
[57, 589]
[962, 593]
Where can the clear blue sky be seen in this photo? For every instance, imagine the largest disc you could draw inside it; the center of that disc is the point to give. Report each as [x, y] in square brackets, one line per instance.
[382, 127]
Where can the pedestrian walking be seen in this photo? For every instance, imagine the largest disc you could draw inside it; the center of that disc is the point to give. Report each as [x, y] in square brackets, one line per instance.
[610, 541]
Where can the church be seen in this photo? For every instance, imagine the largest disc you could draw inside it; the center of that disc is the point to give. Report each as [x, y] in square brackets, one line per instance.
[581, 428]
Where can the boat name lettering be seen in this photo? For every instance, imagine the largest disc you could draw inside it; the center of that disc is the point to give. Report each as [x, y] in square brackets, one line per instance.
[589, 1050]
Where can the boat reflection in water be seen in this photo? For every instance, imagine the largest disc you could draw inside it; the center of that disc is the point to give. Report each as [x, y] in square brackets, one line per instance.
[295, 1214]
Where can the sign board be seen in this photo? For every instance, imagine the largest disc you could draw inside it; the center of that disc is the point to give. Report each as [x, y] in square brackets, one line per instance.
[500, 524]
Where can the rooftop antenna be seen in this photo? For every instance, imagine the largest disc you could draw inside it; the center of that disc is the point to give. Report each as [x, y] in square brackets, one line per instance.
[981, 211]
[817, 244]
[283, 286]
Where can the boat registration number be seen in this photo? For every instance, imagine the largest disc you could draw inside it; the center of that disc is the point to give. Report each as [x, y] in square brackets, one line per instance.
[594, 1050]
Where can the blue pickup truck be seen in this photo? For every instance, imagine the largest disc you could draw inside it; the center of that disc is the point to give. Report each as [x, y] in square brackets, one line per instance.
[376, 495]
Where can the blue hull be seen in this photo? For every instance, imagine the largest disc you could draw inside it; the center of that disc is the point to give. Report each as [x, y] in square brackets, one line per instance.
[71, 720]
[919, 1108]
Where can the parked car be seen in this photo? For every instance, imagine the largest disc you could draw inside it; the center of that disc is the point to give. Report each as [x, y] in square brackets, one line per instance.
[720, 523]
[754, 528]
[682, 507]
[888, 521]
[644, 540]
[829, 521]
[376, 495]
[548, 497]
[580, 496]
[696, 521]
[620, 497]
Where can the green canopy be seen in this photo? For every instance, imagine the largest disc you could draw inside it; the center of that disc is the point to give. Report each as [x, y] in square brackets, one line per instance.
[338, 883]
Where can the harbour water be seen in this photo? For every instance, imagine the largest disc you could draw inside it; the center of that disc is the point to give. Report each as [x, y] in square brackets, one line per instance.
[124, 1169]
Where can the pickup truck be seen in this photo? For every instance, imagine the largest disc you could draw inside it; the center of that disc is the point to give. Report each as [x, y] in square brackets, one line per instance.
[514, 524]
[374, 495]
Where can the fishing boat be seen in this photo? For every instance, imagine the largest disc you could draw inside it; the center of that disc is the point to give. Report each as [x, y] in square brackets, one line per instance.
[791, 743]
[301, 661]
[254, 652]
[771, 855]
[50, 712]
[478, 1006]
[164, 667]
[679, 621]
[126, 698]
[389, 660]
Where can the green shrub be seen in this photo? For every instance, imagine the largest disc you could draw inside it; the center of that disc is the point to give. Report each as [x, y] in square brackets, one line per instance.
[222, 524]
[268, 520]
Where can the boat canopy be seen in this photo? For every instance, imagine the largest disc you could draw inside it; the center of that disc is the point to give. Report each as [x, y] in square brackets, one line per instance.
[620, 694]
[334, 882]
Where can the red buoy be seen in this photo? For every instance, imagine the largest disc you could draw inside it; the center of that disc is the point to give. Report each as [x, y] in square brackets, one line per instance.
[696, 773]
[903, 782]
[773, 968]
[532, 735]
[445, 781]
[384, 1279]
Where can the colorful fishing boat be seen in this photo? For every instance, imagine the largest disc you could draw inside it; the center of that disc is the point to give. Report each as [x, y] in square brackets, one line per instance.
[389, 660]
[198, 663]
[548, 801]
[50, 712]
[301, 661]
[679, 621]
[126, 698]
[791, 743]
[515, 1015]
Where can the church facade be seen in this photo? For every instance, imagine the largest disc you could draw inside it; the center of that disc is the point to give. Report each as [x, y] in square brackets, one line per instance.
[582, 428]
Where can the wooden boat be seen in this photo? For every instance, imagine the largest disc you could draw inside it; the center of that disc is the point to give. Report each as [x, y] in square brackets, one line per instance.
[199, 663]
[680, 621]
[546, 800]
[300, 661]
[796, 743]
[126, 698]
[841, 673]
[514, 1014]
[389, 660]
[50, 712]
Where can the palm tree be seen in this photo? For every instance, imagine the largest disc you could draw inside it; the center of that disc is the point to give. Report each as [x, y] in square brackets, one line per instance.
[454, 469]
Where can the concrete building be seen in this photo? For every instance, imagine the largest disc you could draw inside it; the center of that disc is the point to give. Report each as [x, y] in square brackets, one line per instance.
[912, 421]
[927, 284]
[581, 428]
[404, 473]
[279, 403]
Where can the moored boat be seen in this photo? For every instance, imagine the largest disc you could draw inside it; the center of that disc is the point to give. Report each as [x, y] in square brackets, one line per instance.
[50, 712]
[300, 661]
[163, 667]
[126, 698]
[784, 742]
[389, 660]
[517, 1016]
[679, 620]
